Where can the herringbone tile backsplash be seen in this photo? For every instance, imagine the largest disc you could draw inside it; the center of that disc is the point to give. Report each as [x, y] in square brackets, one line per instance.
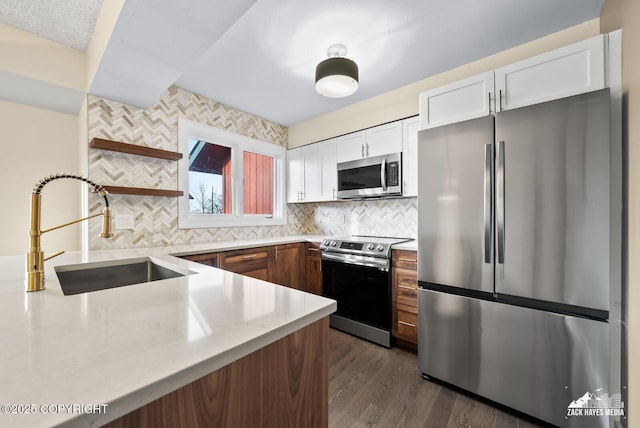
[384, 217]
[156, 218]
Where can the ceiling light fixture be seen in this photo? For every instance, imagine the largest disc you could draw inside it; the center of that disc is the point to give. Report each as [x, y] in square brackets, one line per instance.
[337, 76]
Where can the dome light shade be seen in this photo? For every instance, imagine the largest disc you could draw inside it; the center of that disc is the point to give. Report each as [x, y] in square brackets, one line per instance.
[336, 76]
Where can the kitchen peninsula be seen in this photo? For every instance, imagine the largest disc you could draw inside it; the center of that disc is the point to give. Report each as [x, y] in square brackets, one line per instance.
[212, 344]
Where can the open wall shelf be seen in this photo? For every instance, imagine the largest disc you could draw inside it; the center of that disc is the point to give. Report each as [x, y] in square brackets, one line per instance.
[134, 149]
[119, 190]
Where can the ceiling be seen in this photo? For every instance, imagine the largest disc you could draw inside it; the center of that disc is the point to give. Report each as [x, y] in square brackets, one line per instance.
[260, 55]
[68, 22]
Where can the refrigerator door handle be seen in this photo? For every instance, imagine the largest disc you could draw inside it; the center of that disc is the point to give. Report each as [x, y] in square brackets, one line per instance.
[383, 174]
[488, 153]
[500, 201]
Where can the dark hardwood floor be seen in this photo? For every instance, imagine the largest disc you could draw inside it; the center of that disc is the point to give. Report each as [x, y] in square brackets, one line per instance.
[373, 386]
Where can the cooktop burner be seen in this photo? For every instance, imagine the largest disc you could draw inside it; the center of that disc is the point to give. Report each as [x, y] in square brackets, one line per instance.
[376, 246]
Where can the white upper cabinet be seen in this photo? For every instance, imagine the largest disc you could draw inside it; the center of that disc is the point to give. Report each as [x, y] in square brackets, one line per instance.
[462, 100]
[567, 71]
[410, 129]
[563, 72]
[351, 146]
[295, 175]
[384, 139]
[376, 141]
[312, 173]
[328, 170]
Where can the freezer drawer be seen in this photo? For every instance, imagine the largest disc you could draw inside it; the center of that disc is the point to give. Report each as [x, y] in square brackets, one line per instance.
[532, 361]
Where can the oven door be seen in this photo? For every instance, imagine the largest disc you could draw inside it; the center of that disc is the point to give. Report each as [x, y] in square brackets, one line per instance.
[362, 289]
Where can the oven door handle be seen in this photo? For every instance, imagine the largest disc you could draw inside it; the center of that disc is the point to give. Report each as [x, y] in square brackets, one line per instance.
[373, 262]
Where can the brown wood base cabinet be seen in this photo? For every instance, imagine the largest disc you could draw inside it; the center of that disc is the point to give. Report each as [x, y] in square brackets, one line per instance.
[313, 268]
[285, 384]
[405, 298]
[288, 265]
[296, 265]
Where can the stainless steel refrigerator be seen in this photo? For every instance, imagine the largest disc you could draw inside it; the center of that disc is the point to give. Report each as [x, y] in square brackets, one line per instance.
[514, 255]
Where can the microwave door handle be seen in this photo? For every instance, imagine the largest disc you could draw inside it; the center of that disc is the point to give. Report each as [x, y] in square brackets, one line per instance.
[383, 174]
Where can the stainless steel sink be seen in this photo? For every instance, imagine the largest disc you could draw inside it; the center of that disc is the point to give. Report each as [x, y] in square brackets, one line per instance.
[86, 277]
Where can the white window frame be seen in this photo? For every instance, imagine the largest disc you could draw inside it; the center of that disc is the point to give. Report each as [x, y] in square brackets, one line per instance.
[188, 129]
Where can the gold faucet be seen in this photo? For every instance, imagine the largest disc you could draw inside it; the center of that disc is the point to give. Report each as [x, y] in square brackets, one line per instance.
[35, 256]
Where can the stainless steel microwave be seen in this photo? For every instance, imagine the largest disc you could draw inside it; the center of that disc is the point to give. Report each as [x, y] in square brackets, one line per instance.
[372, 177]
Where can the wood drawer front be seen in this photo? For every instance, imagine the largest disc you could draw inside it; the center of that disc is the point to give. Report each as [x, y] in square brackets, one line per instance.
[405, 259]
[407, 323]
[249, 256]
[245, 261]
[407, 289]
[209, 259]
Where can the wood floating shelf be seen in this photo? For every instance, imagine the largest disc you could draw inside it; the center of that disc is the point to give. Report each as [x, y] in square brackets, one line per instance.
[118, 190]
[134, 149]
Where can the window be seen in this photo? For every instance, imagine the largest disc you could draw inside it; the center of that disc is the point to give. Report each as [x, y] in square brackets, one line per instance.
[228, 179]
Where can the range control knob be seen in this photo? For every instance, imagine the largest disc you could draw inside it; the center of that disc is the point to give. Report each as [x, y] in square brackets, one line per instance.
[325, 242]
[380, 247]
[334, 243]
[370, 247]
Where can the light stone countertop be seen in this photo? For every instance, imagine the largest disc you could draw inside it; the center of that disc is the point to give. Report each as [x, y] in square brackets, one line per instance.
[128, 346]
[252, 243]
[409, 245]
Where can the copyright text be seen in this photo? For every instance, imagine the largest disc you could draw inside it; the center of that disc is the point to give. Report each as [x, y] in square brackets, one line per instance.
[30, 409]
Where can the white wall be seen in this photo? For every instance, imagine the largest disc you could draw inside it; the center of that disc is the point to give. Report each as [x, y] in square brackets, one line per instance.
[625, 14]
[28, 55]
[36, 142]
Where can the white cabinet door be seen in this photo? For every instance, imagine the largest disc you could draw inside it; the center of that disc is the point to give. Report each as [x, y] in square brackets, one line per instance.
[351, 146]
[462, 100]
[384, 139]
[410, 129]
[329, 172]
[567, 71]
[312, 173]
[295, 175]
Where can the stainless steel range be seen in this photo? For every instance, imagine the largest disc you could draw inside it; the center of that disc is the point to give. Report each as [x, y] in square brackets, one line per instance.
[356, 272]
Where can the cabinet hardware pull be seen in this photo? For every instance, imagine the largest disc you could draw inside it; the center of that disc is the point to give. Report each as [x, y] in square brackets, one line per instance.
[313, 249]
[500, 92]
[249, 257]
[362, 147]
[489, 103]
[335, 196]
[407, 287]
[404, 259]
[407, 324]
[367, 149]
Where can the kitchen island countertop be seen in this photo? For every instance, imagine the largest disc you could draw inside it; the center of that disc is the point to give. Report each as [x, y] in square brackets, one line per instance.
[125, 347]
